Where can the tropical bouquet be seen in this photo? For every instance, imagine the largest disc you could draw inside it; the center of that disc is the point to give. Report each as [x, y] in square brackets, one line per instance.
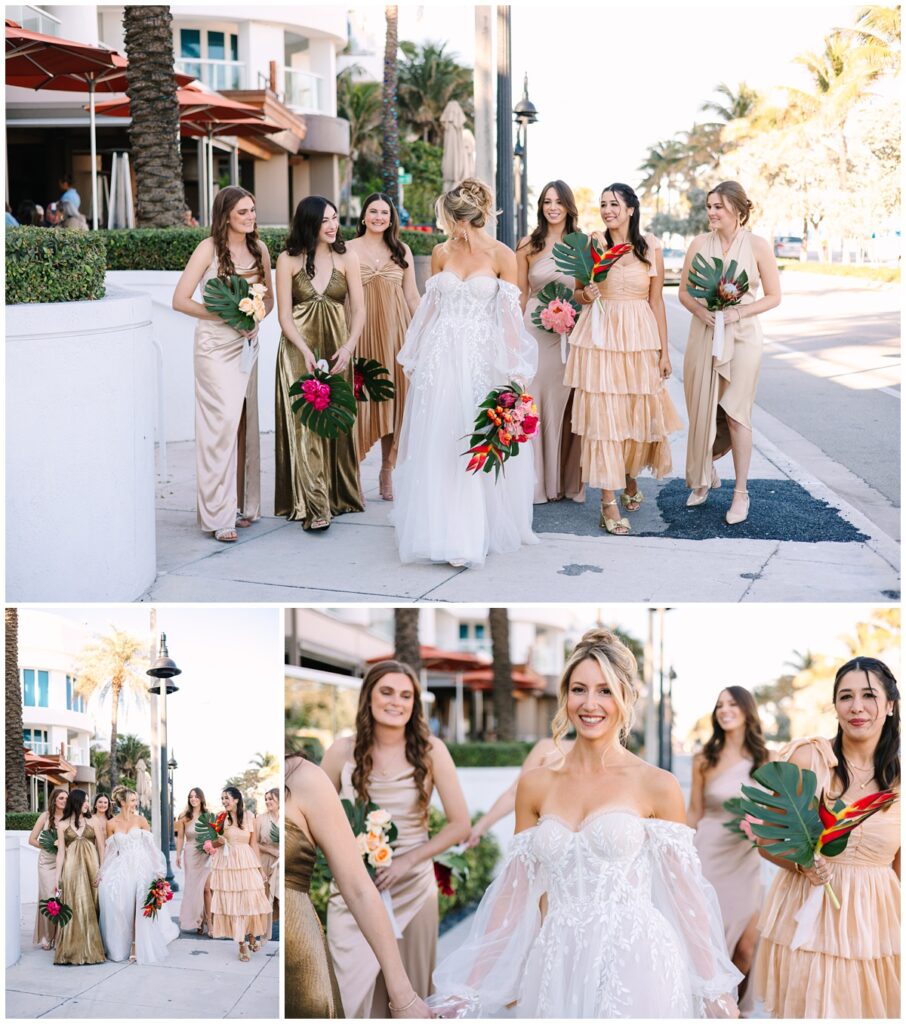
[159, 893]
[507, 418]
[237, 303]
[47, 840]
[582, 257]
[720, 288]
[54, 909]
[556, 312]
[372, 381]
[325, 402]
[209, 828]
[448, 867]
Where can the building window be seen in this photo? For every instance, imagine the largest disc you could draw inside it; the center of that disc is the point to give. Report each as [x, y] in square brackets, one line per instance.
[74, 700]
[234, 47]
[36, 740]
[216, 49]
[190, 42]
[35, 687]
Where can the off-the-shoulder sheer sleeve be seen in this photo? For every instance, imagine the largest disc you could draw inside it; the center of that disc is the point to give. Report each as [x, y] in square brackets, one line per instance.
[425, 315]
[485, 973]
[154, 858]
[516, 354]
[681, 893]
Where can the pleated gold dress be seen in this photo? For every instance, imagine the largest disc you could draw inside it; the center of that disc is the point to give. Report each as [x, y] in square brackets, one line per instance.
[414, 907]
[316, 478]
[196, 868]
[80, 941]
[226, 420]
[387, 317]
[311, 985]
[239, 907]
[724, 385]
[621, 407]
[850, 967]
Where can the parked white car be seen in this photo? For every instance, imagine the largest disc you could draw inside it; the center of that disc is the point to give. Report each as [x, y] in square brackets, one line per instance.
[673, 265]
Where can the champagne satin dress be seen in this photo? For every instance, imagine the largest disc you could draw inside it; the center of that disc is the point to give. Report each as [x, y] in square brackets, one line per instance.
[414, 907]
[196, 869]
[555, 447]
[311, 985]
[80, 941]
[45, 929]
[269, 857]
[239, 908]
[227, 442]
[316, 478]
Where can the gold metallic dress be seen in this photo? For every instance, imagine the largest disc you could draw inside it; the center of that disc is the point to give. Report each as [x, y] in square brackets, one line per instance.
[311, 986]
[80, 941]
[316, 478]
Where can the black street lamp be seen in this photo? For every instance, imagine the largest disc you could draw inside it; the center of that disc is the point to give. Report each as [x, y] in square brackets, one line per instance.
[172, 766]
[162, 671]
[525, 114]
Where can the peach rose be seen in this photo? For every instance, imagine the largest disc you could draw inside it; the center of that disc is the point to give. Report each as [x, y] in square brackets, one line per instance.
[381, 857]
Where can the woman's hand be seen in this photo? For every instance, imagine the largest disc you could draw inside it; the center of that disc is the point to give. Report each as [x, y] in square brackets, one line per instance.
[341, 359]
[179, 860]
[706, 316]
[252, 334]
[399, 868]
[664, 365]
[821, 873]
[416, 1008]
[475, 836]
[591, 292]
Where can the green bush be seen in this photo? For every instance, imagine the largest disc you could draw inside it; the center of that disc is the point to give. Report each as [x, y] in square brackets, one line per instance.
[866, 271]
[21, 821]
[53, 265]
[489, 755]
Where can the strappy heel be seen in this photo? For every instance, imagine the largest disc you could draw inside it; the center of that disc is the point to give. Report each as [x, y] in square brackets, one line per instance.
[385, 483]
[694, 500]
[618, 527]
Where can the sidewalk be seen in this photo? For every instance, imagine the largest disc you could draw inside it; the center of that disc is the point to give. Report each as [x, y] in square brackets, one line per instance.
[804, 541]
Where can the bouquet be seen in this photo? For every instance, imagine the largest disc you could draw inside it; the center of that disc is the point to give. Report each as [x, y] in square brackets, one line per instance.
[371, 380]
[325, 401]
[159, 893]
[47, 840]
[54, 909]
[507, 418]
[207, 829]
[556, 312]
[237, 303]
[719, 288]
[447, 867]
[275, 835]
[374, 830]
[582, 257]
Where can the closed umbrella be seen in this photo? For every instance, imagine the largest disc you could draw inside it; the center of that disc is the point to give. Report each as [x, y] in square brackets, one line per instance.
[453, 164]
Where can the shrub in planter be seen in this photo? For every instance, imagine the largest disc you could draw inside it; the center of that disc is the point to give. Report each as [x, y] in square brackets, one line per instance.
[21, 821]
[489, 755]
[54, 265]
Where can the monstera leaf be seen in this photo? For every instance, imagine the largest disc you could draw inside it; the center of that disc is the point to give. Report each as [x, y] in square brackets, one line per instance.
[573, 256]
[786, 812]
[325, 403]
[275, 834]
[551, 292]
[222, 296]
[734, 809]
[372, 380]
[719, 287]
[47, 840]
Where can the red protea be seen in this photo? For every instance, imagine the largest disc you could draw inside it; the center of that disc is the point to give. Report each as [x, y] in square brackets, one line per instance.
[729, 291]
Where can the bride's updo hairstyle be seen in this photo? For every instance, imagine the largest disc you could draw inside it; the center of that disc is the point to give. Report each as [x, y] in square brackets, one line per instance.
[120, 796]
[619, 668]
[734, 195]
[470, 201]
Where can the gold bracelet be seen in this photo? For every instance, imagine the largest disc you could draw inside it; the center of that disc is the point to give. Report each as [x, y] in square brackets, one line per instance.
[401, 1009]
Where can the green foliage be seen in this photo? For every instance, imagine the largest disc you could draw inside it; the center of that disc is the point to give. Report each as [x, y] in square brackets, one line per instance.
[376, 384]
[337, 417]
[489, 755]
[787, 810]
[553, 290]
[53, 265]
[21, 821]
[886, 275]
[573, 256]
[429, 77]
[708, 280]
[423, 161]
[222, 297]
[47, 840]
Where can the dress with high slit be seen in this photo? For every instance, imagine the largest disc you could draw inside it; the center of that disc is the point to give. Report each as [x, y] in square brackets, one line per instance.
[196, 870]
[45, 929]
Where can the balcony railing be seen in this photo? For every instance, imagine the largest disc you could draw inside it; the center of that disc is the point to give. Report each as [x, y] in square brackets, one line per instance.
[304, 91]
[34, 19]
[215, 74]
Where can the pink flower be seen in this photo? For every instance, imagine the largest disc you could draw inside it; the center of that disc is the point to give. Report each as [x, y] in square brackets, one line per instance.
[208, 846]
[558, 316]
[53, 908]
[529, 424]
[316, 392]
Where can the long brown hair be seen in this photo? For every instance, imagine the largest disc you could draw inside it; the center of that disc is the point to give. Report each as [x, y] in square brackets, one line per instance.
[565, 195]
[189, 811]
[52, 806]
[391, 232]
[418, 736]
[753, 738]
[224, 202]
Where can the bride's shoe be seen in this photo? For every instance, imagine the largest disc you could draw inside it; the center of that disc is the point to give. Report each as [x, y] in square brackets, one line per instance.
[733, 518]
[694, 500]
[132, 958]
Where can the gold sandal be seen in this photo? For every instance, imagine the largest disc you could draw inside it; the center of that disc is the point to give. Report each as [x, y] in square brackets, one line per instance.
[254, 944]
[632, 499]
[243, 953]
[618, 527]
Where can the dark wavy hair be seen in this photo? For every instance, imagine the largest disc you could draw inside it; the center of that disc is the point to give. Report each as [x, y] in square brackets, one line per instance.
[75, 805]
[305, 228]
[188, 812]
[753, 738]
[240, 805]
[627, 194]
[391, 232]
[224, 202]
[565, 195]
[887, 752]
[418, 736]
[108, 814]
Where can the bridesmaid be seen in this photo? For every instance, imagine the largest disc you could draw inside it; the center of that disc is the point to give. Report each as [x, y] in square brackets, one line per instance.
[80, 852]
[849, 966]
[269, 854]
[735, 750]
[618, 362]
[394, 762]
[316, 478]
[556, 448]
[45, 929]
[391, 298]
[227, 445]
[195, 909]
[239, 907]
[101, 813]
[720, 391]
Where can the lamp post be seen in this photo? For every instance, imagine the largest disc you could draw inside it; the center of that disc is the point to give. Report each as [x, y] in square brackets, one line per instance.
[162, 671]
[171, 766]
[504, 129]
[525, 114]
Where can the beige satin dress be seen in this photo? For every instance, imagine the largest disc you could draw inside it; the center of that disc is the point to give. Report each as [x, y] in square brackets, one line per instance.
[721, 386]
[269, 856]
[45, 929]
[196, 868]
[555, 447]
[414, 906]
[227, 441]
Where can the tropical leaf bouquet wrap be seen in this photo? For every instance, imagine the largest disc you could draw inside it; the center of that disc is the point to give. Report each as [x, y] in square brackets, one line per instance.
[47, 840]
[237, 303]
[582, 257]
[556, 312]
[371, 381]
[54, 909]
[720, 287]
[325, 402]
[209, 828]
[159, 894]
[507, 418]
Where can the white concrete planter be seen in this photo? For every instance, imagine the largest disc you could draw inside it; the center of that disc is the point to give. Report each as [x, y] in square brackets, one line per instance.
[14, 897]
[80, 401]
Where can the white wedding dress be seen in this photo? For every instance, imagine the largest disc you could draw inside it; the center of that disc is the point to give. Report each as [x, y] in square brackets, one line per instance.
[467, 337]
[131, 863]
[631, 928]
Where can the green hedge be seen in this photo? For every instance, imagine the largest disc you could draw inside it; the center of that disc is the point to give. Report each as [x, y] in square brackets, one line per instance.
[54, 265]
[489, 755]
[21, 821]
[867, 271]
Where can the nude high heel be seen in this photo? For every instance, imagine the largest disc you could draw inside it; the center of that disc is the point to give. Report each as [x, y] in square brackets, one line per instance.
[734, 518]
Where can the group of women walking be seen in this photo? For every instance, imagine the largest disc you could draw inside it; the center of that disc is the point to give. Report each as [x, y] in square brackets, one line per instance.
[605, 414]
[105, 863]
[608, 904]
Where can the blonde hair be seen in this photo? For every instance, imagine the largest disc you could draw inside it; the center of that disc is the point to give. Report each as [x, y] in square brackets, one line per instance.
[735, 195]
[120, 795]
[619, 668]
[471, 200]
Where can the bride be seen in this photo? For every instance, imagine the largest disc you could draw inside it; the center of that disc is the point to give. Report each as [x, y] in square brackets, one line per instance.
[466, 338]
[131, 863]
[601, 909]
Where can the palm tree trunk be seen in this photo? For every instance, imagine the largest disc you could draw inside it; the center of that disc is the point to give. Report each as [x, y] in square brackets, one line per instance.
[115, 689]
[405, 637]
[390, 158]
[16, 786]
[504, 705]
[154, 132]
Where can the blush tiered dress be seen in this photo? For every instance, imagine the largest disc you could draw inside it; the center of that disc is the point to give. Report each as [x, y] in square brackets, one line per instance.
[239, 906]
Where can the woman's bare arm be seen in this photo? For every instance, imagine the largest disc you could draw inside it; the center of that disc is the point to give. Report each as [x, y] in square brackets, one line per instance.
[697, 793]
[190, 280]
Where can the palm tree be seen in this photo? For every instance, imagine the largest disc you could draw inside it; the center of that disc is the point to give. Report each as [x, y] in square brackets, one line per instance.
[405, 637]
[16, 787]
[154, 131]
[429, 78]
[112, 665]
[877, 30]
[100, 762]
[360, 104]
[502, 684]
[390, 147]
[129, 751]
[735, 105]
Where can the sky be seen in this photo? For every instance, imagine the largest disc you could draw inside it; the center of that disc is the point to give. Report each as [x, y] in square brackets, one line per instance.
[229, 705]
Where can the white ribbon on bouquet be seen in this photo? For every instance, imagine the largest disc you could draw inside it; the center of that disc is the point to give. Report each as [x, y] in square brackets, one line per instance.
[806, 918]
[717, 345]
[388, 903]
[563, 349]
